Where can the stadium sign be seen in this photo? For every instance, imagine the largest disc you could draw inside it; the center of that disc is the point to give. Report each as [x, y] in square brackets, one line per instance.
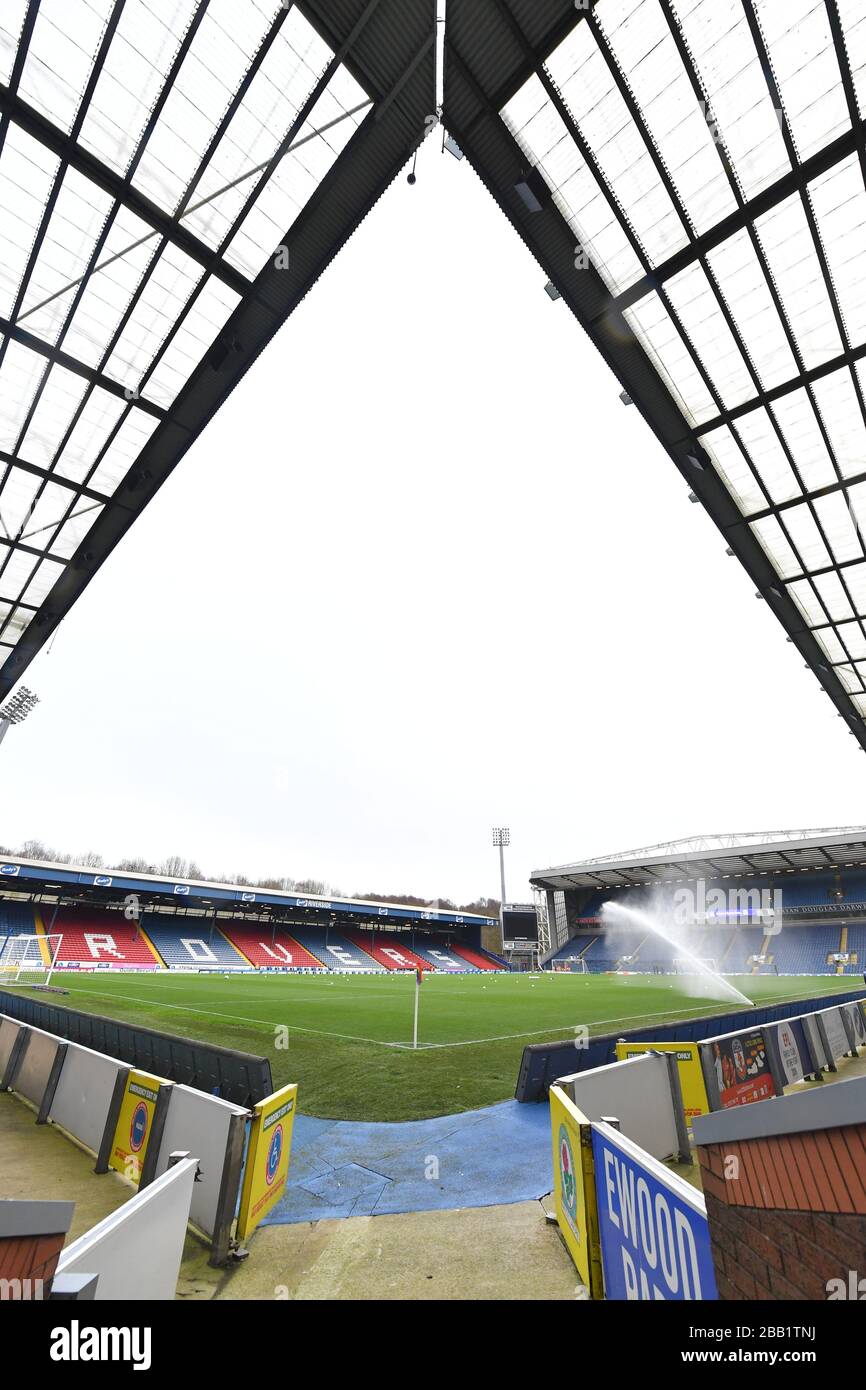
[267, 1164]
[11, 870]
[737, 1069]
[574, 1189]
[655, 1240]
[134, 1123]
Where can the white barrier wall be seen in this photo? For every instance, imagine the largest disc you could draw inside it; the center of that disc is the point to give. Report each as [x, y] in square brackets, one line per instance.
[84, 1093]
[34, 1069]
[201, 1124]
[637, 1092]
[136, 1252]
[837, 1044]
[9, 1030]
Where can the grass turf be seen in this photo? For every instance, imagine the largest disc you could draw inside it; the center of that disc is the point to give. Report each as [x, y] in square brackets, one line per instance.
[349, 1036]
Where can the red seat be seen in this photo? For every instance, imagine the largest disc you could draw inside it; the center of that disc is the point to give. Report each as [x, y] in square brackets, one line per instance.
[99, 938]
[255, 944]
[388, 950]
[473, 957]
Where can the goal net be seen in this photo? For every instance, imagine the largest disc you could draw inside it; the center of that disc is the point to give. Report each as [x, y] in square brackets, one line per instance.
[684, 965]
[28, 960]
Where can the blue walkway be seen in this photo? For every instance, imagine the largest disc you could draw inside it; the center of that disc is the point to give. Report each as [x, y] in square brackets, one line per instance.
[478, 1159]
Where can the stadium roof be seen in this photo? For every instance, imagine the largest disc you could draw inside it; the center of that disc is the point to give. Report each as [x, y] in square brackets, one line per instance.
[689, 174]
[714, 856]
[72, 881]
[154, 157]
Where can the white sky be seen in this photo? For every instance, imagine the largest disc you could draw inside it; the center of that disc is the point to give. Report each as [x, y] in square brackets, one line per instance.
[424, 574]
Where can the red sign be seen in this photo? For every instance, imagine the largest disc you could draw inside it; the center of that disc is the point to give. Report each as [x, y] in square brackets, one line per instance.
[742, 1069]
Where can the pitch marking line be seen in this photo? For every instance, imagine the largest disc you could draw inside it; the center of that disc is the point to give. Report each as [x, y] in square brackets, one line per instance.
[422, 1046]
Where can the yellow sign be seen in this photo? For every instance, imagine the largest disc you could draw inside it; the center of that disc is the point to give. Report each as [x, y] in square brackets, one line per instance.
[574, 1189]
[267, 1157]
[134, 1123]
[688, 1065]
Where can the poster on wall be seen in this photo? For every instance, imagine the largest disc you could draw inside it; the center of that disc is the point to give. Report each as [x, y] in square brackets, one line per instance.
[831, 1021]
[742, 1068]
[794, 1055]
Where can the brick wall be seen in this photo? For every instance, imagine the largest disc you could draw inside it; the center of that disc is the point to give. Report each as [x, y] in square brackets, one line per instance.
[25, 1258]
[787, 1214]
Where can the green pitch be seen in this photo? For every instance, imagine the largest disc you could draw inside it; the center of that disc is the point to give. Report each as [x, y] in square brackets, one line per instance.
[347, 1039]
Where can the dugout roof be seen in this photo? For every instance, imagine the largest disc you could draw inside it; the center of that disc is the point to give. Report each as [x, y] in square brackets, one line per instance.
[714, 856]
[689, 175]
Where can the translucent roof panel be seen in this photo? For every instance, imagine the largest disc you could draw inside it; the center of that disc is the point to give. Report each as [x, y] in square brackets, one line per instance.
[133, 76]
[27, 173]
[730, 73]
[64, 47]
[332, 123]
[657, 125]
[580, 196]
[643, 46]
[598, 105]
[196, 133]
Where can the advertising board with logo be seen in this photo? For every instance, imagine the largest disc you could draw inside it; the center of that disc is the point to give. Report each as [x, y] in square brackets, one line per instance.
[267, 1164]
[794, 1056]
[655, 1240]
[738, 1069]
[134, 1123]
[574, 1189]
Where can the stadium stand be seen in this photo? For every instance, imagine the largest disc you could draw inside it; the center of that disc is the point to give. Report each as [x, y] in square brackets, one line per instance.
[477, 958]
[333, 948]
[575, 947]
[16, 919]
[604, 952]
[856, 944]
[436, 950]
[189, 941]
[91, 937]
[388, 950]
[804, 950]
[255, 944]
[807, 892]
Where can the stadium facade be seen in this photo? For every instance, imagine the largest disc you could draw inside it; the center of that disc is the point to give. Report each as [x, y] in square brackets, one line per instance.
[786, 902]
[132, 921]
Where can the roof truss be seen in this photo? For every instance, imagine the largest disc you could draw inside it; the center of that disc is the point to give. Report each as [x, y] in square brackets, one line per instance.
[715, 275]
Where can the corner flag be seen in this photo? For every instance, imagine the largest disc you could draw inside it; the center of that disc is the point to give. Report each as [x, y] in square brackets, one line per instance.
[419, 977]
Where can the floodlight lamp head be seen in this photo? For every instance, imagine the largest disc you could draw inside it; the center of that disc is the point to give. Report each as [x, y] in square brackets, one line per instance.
[501, 835]
[16, 710]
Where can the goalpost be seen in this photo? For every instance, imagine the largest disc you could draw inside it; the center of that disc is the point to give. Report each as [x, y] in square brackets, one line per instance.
[29, 960]
[684, 966]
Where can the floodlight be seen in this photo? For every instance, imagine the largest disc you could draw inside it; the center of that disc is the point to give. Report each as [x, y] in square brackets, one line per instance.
[16, 710]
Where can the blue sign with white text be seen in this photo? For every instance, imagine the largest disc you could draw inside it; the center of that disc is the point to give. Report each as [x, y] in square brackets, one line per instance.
[655, 1241]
